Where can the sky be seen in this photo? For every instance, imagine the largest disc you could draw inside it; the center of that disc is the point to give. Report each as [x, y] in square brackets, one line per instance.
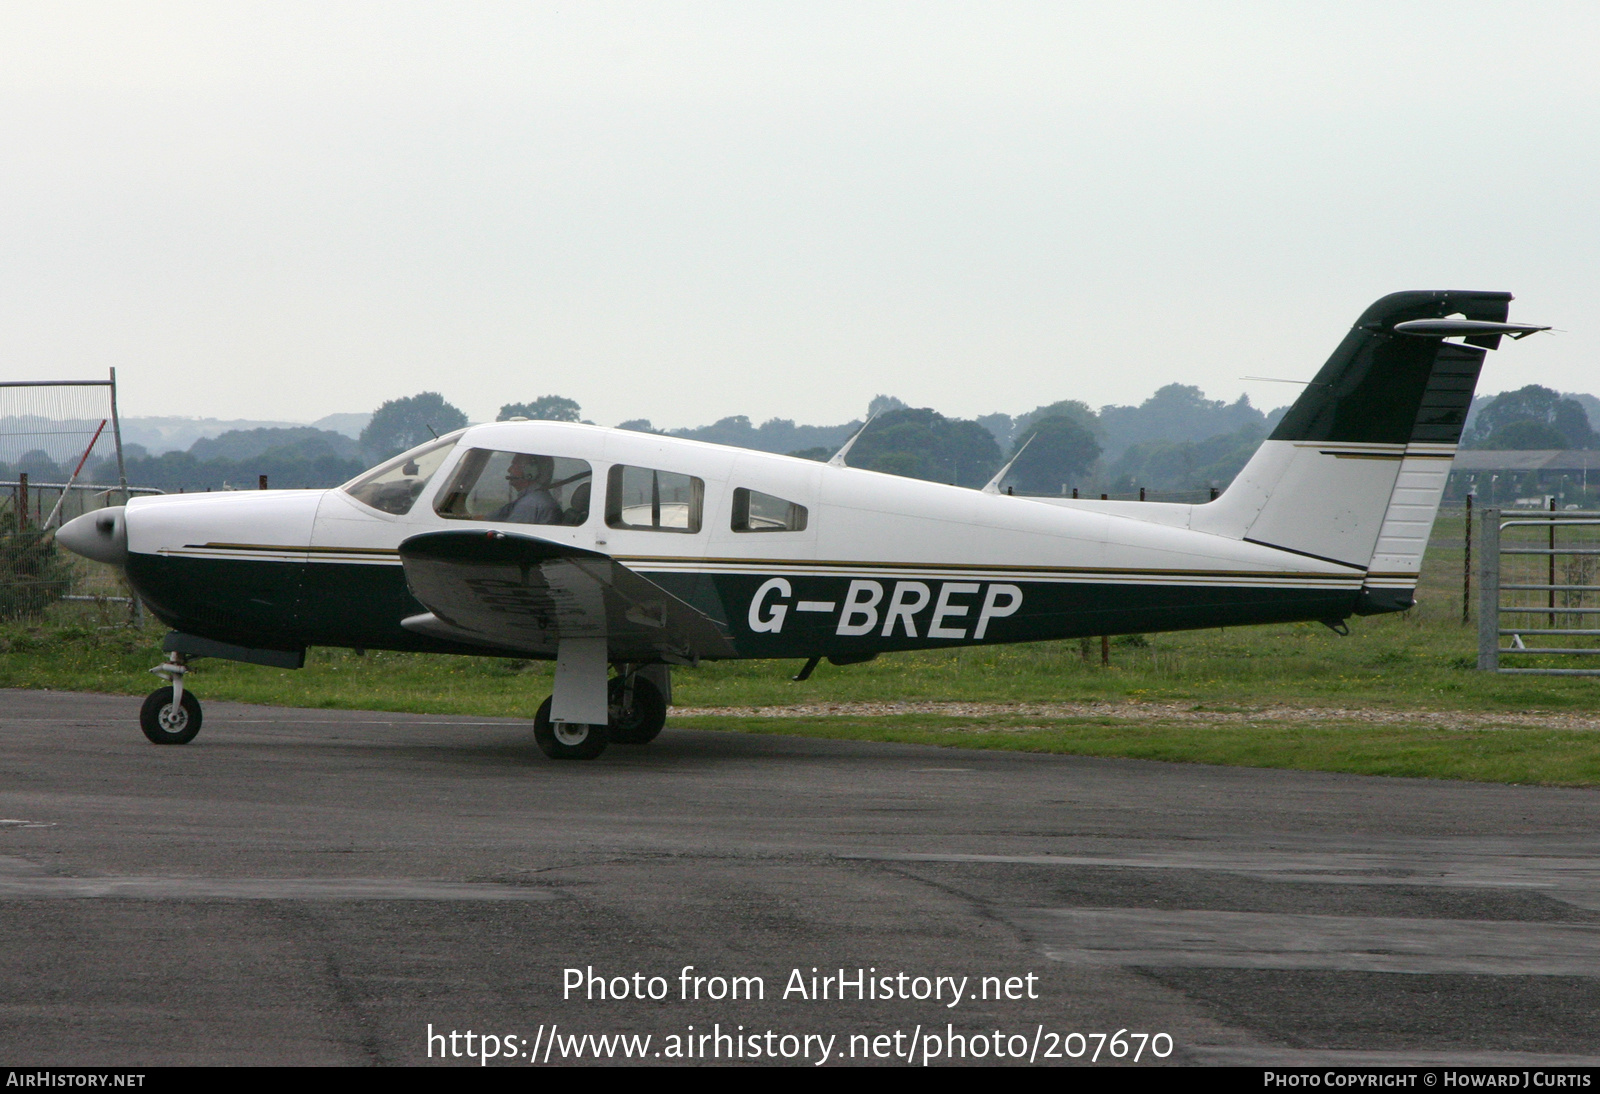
[682, 211]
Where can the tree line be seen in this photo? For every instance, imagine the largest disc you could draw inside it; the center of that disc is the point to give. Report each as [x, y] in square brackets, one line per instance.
[1176, 440]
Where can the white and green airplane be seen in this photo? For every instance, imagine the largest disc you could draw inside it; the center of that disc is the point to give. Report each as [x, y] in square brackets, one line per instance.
[604, 549]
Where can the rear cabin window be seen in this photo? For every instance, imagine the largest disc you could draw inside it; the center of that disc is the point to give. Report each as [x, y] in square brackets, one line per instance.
[653, 501]
[394, 487]
[754, 511]
[517, 488]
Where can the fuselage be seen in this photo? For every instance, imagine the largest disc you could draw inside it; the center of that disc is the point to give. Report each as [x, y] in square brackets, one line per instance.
[858, 562]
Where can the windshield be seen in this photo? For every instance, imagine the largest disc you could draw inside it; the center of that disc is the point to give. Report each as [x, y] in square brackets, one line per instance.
[394, 486]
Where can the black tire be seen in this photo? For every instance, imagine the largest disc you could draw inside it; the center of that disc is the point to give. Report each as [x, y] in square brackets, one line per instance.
[641, 723]
[570, 741]
[165, 726]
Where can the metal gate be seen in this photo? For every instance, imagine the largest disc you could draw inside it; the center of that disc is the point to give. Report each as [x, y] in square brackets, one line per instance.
[1538, 582]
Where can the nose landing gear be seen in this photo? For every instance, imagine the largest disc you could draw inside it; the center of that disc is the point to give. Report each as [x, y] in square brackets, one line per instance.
[170, 715]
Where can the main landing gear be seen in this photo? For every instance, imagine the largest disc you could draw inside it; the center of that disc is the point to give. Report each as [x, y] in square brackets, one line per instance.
[637, 711]
[170, 715]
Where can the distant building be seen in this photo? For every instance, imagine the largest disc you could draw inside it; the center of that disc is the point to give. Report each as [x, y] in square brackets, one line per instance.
[1502, 478]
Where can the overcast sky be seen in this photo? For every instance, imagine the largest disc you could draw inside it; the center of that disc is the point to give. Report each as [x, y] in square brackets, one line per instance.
[685, 211]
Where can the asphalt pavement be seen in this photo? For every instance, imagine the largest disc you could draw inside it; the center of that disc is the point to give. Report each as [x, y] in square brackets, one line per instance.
[306, 886]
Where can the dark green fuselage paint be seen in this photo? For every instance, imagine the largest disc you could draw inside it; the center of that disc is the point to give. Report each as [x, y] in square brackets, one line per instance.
[292, 605]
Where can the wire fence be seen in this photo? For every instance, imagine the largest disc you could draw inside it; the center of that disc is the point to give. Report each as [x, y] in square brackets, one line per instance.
[38, 578]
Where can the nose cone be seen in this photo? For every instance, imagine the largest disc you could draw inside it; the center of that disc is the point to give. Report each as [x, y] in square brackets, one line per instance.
[101, 535]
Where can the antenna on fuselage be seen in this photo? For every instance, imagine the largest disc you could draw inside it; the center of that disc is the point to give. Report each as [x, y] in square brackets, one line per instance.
[838, 457]
[993, 486]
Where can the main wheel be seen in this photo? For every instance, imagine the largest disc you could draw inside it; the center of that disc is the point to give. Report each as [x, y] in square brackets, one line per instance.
[567, 740]
[640, 723]
[167, 723]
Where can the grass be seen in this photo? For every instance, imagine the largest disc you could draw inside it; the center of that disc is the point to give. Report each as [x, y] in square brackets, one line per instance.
[1397, 665]
[1528, 756]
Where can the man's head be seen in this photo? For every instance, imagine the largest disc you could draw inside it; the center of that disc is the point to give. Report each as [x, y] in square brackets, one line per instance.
[529, 471]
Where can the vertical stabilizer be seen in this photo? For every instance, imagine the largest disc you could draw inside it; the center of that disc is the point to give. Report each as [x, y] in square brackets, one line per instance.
[1355, 471]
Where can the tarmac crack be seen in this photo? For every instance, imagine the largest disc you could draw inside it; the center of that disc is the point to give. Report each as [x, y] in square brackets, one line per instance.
[357, 1028]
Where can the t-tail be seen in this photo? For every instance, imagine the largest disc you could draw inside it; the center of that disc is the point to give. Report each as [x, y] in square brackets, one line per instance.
[1355, 471]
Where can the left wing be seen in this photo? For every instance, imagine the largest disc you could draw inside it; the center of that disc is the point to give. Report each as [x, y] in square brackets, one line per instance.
[520, 592]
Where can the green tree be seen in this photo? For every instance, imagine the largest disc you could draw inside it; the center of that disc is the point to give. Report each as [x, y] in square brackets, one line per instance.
[1001, 425]
[39, 467]
[1568, 423]
[242, 444]
[1526, 435]
[1060, 450]
[1176, 412]
[400, 424]
[1076, 409]
[923, 444]
[546, 408]
[1572, 420]
[1185, 465]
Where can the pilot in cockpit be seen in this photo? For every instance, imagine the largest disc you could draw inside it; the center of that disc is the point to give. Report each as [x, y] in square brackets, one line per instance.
[531, 502]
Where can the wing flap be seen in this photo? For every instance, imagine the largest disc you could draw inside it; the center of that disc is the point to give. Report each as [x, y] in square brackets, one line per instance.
[524, 593]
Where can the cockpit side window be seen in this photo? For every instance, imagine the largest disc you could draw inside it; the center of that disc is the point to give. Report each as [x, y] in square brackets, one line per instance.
[754, 511]
[394, 487]
[654, 501]
[518, 488]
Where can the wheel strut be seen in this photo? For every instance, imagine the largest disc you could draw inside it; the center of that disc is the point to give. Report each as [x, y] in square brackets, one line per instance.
[173, 673]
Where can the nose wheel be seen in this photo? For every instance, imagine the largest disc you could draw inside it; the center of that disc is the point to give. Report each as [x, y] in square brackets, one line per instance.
[170, 715]
[169, 720]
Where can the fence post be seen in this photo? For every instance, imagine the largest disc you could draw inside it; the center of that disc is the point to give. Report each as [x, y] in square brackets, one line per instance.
[1489, 591]
[135, 605]
[22, 500]
[1466, 568]
[1552, 563]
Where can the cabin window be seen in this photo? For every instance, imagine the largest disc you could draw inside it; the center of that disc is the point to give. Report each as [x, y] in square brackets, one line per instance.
[754, 511]
[517, 488]
[655, 501]
[394, 487]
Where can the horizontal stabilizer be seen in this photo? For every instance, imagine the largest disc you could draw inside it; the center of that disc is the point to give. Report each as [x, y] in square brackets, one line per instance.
[523, 593]
[1379, 389]
[1463, 328]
